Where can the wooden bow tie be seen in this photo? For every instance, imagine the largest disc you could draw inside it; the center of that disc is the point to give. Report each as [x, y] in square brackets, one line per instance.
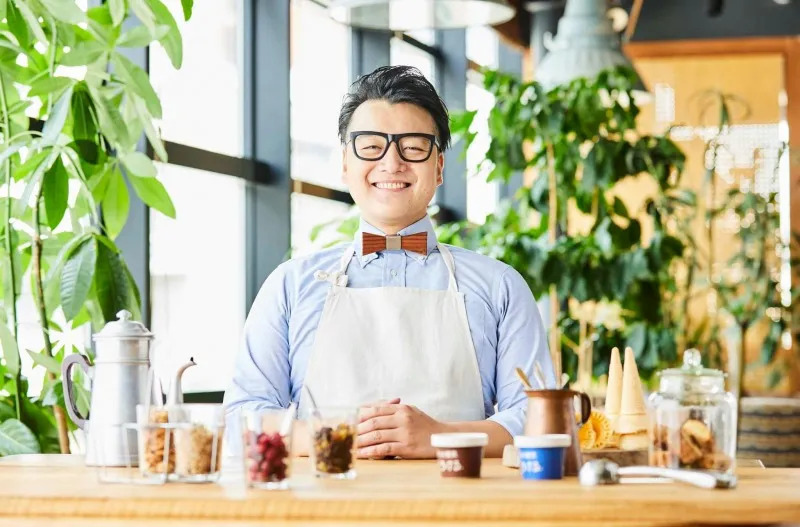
[372, 243]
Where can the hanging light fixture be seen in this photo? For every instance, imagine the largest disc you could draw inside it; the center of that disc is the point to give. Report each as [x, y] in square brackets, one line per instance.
[585, 45]
[409, 15]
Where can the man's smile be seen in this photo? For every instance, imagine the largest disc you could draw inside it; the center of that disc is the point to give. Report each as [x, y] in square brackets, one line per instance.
[391, 185]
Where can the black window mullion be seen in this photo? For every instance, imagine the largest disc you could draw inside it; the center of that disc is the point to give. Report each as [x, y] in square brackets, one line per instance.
[267, 138]
[510, 61]
[451, 75]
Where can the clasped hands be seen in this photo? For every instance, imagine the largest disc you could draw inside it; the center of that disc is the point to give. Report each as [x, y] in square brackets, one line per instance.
[391, 429]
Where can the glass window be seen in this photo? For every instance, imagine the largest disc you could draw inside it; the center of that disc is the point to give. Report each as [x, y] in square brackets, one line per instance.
[402, 53]
[197, 276]
[319, 78]
[482, 196]
[483, 46]
[311, 211]
[202, 102]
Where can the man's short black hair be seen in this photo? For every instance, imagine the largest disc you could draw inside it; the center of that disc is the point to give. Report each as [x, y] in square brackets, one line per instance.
[396, 84]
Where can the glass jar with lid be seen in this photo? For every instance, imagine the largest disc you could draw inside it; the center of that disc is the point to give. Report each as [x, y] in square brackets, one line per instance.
[693, 418]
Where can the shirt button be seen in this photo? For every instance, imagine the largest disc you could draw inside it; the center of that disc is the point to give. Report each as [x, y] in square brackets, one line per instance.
[394, 273]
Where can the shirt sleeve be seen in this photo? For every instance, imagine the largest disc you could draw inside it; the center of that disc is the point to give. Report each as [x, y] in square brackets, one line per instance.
[261, 374]
[521, 341]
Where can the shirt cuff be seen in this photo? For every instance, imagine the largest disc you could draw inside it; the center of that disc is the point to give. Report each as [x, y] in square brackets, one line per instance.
[512, 419]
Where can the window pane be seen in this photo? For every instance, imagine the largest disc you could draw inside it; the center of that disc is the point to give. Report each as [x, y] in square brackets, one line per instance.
[481, 196]
[197, 276]
[404, 54]
[202, 102]
[320, 76]
[311, 211]
[482, 46]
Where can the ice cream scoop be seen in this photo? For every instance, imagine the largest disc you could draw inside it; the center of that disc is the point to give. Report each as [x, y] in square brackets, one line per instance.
[605, 472]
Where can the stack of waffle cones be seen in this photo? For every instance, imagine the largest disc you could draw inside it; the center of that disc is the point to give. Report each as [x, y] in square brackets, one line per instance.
[625, 404]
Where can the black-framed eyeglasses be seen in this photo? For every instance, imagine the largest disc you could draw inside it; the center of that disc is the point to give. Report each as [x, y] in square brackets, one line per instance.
[412, 147]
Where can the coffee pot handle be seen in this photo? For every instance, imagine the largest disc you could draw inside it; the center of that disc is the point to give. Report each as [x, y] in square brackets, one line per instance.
[586, 407]
[66, 381]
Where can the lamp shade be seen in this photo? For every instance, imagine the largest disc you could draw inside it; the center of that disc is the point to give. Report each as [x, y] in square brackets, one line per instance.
[585, 45]
[409, 15]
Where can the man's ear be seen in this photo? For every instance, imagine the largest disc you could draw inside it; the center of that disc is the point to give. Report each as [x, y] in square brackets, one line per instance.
[440, 169]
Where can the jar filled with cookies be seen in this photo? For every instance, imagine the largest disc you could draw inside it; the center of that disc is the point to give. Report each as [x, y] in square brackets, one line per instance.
[693, 418]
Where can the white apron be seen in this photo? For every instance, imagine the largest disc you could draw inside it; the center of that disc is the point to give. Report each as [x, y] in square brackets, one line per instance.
[383, 342]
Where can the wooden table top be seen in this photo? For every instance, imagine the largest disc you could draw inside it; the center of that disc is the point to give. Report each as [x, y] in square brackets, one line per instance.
[387, 493]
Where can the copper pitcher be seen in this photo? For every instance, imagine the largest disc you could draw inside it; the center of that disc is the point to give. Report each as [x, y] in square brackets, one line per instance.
[553, 412]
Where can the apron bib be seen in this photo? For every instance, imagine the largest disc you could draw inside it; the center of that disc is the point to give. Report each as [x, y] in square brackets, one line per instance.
[383, 342]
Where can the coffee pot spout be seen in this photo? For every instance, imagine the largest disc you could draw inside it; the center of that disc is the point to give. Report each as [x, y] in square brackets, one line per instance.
[175, 394]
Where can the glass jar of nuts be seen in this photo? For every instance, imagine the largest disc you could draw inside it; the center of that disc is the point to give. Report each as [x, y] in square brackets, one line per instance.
[693, 418]
[198, 433]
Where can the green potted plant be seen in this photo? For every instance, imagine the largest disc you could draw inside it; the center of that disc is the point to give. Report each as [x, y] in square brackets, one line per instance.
[72, 108]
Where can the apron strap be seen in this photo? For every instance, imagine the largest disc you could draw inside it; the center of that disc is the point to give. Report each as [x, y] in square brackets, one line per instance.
[451, 267]
[340, 277]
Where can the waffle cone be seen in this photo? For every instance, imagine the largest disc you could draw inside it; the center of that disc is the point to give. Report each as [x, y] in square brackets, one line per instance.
[632, 394]
[614, 389]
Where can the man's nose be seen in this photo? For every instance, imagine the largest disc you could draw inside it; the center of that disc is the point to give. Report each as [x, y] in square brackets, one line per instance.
[392, 162]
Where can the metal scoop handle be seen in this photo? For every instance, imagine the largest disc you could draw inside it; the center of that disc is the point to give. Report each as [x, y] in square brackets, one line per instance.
[704, 480]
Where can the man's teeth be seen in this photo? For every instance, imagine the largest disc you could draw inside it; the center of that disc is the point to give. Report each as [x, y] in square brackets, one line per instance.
[390, 186]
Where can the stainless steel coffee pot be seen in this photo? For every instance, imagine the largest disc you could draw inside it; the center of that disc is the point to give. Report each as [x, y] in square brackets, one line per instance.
[121, 380]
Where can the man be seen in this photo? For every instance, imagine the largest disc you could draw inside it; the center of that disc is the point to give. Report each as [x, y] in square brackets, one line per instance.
[422, 337]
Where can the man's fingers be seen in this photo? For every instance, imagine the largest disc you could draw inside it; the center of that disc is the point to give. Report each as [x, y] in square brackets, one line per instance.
[383, 422]
[381, 450]
[376, 437]
[376, 411]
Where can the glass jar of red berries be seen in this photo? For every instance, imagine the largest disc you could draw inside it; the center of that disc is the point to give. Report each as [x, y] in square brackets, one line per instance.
[268, 447]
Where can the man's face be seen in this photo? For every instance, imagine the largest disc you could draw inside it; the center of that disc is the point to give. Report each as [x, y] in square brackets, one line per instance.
[391, 192]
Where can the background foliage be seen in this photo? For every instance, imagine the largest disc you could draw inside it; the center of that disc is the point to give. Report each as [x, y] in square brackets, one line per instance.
[73, 108]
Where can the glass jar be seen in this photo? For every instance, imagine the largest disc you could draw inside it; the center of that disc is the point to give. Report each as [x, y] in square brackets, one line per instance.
[267, 441]
[333, 442]
[198, 433]
[693, 418]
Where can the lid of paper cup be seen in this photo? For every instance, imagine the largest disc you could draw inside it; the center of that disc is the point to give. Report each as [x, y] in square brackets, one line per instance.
[543, 441]
[459, 440]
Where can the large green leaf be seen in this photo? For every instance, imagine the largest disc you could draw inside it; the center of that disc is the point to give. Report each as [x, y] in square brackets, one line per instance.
[115, 204]
[10, 349]
[111, 123]
[141, 36]
[43, 359]
[2, 16]
[138, 164]
[149, 130]
[172, 41]
[84, 53]
[138, 81]
[56, 193]
[117, 8]
[57, 118]
[84, 115]
[65, 10]
[153, 194]
[17, 25]
[76, 278]
[111, 283]
[47, 85]
[187, 6]
[31, 20]
[143, 13]
[16, 438]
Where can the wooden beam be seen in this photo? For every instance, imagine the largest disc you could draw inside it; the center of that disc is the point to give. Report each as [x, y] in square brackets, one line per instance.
[687, 48]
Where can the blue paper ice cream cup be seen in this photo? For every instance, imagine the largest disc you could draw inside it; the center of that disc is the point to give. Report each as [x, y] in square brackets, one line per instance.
[542, 457]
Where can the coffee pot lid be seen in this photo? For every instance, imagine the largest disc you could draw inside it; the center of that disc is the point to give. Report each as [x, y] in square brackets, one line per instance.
[124, 327]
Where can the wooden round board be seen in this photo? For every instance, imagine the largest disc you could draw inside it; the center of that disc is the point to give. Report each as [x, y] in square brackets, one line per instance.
[623, 458]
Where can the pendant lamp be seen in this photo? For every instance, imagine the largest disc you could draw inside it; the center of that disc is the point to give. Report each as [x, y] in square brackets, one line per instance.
[409, 15]
[585, 45]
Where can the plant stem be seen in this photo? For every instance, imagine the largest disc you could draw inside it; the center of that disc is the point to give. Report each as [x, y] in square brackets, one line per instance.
[555, 340]
[36, 262]
[9, 229]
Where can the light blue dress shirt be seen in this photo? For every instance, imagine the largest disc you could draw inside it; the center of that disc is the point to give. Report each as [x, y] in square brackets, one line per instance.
[504, 322]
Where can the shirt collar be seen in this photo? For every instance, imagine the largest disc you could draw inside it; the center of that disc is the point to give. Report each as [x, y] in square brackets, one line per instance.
[422, 225]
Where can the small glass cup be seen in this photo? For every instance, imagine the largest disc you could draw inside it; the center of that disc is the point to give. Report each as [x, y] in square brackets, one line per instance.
[267, 452]
[198, 433]
[333, 442]
[156, 442]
